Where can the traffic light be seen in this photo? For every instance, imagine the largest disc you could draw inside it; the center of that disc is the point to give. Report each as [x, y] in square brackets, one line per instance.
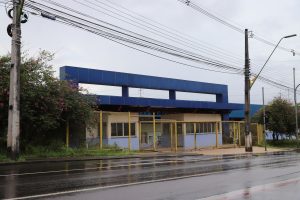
[267, 117]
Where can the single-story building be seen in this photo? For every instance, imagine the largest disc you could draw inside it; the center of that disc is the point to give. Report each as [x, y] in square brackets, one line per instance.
[142, 123]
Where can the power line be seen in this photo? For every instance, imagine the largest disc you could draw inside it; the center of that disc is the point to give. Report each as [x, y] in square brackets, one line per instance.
[162, 28]
[143, 41]
[120, 38]
[233, 27]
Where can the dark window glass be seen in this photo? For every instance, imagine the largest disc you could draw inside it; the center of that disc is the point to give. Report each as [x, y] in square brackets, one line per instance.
[125, 129]
[198, 128]
[114, 129]
[119, 129]
[132, 129]
[189, 128]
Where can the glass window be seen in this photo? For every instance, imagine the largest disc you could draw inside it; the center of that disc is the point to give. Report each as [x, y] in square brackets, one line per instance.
[121, 129]
[132, 128]
[114, 129]
[125, 129]
[198, 128]
[189, 128]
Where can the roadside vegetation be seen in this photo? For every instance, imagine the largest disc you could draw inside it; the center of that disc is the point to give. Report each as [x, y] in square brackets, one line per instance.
[280, 119]
[283, 143]
[40, 153]
[47, 103]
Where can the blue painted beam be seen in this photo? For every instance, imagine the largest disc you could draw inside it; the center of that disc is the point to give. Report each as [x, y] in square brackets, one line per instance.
[101, 77]
[165, 103]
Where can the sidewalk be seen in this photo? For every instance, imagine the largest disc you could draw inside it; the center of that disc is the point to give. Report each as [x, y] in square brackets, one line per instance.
[237, 150]
[160, 154]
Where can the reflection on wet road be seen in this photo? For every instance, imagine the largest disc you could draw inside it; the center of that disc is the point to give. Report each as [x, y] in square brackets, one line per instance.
[181, 177]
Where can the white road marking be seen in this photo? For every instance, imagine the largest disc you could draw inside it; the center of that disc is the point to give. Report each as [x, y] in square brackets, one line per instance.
[110, 167]
[247, 192]
[91, 168]
[105, 168]
[112, 186]
[127, 184]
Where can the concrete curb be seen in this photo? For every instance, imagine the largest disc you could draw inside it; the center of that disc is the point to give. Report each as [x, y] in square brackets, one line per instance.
[148, 155]
[90, 158]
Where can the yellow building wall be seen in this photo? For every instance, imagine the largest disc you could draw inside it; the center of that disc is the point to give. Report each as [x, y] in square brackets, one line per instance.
[201, 117]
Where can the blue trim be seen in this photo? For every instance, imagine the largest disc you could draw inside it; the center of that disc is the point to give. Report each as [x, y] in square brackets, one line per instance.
[165, 103]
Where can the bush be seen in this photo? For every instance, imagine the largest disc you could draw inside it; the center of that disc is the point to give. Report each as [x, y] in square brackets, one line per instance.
[46, 103]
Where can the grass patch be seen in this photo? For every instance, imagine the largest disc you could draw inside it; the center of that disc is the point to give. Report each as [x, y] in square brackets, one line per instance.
[283, 143]
[39, 152]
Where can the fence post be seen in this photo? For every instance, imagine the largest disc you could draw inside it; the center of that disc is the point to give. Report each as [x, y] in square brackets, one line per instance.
[195, 137]
[67, 133]
[129, 132]
[101, 129]
[257, 133]
[154, 132]
[217, 134]
[234, 134]
[140, 135]
[240, 142]
[176, 138]
[171, 131]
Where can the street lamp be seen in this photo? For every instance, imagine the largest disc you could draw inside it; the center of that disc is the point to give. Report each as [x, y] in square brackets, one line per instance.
[288, 36]
[296, 108]
[248, 86]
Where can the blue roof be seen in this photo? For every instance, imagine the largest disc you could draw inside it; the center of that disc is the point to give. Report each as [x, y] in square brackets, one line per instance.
[126, 80]
[239, 114]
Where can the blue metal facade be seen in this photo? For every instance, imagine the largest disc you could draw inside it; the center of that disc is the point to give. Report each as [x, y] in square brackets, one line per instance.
[126, 80]
[239, 114]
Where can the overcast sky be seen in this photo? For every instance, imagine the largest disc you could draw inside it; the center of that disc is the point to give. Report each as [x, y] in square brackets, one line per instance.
[270, 19]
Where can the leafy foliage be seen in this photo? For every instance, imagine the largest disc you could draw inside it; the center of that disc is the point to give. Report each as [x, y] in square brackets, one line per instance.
[46, 102]
[281, 117]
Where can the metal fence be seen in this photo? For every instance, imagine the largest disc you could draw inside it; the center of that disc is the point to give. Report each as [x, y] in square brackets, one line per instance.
[146, 133]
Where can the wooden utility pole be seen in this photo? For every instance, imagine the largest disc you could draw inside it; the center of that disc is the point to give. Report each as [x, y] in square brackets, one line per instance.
[13, 131]
[248, 136]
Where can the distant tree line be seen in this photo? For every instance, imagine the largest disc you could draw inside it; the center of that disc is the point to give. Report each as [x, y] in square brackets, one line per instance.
[46, 102]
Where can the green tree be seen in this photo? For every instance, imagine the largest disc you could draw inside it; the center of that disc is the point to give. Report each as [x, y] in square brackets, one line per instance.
[46, 102]
[281, 117]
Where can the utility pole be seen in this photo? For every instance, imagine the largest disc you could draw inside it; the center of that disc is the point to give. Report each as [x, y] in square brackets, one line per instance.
[248, 136]
[13, 131]
[296, 107]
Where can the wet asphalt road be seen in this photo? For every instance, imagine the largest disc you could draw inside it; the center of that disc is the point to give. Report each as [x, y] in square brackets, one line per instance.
[270, 176]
